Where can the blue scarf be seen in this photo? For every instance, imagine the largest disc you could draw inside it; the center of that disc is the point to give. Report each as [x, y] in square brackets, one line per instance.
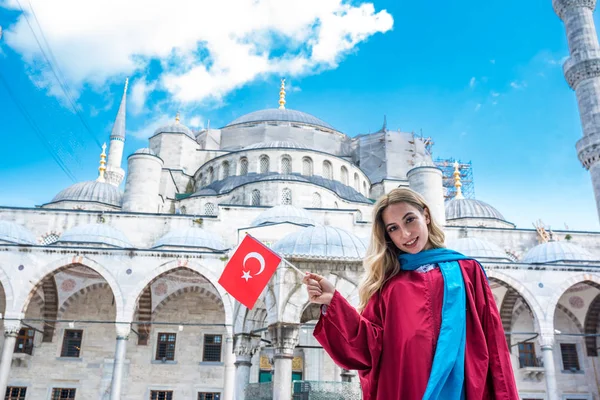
[446, 381]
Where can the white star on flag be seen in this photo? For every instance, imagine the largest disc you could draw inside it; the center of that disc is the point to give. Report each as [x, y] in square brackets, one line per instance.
[246, 275]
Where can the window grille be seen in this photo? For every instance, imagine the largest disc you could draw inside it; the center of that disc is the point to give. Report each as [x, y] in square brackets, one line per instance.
[286, 165]
[15, 393]
[264, 164]
[209, 396]
[570, 358]
[165, 346]
[356, 182]
[316, 200]
[211, 175]
[327, 170]
[344, 173]
[212, 348]
[286, 197]
[50, 238]
[307, 166]
[244, 166]
[256, 197]
[24, 342]
[71, 346]
[225, 170]
[210, 209]
[359, 216]
[161, 395]
[61, 394]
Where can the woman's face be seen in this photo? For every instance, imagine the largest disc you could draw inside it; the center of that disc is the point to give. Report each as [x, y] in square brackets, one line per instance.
[406, 226]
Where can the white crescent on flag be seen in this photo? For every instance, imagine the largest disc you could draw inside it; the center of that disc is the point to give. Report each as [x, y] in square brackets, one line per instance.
[258, 258]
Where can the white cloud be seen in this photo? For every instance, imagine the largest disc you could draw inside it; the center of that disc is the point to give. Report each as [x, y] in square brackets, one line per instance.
[154, 124]
[196, 122]
[518, 85]
[206, 48]
[494, 94]
[139, 94]
[472, 82]
[478, 107]
[492, 61]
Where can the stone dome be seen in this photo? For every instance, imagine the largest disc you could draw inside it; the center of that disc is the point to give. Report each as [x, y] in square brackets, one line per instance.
[284, 213]
[471, 208]
[12, 232]
[477, 248]
[562, 251]
[175, 128]
[91, 191]
[321, 242]
[95, 234]
[145, 150]
[193, 237]
[280, 115]
[285, 144]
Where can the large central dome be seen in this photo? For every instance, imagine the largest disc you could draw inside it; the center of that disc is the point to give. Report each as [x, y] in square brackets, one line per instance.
[280, 115]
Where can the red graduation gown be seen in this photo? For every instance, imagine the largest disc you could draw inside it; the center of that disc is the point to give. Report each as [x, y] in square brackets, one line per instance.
[392, 343]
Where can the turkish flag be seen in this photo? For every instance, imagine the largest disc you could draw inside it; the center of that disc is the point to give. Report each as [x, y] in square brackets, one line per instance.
[249, 270]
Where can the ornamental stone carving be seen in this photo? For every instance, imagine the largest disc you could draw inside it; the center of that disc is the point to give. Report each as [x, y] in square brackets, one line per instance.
[588, 150]
[284, 338]
[245, 344]
[561, 6]
[584, 69]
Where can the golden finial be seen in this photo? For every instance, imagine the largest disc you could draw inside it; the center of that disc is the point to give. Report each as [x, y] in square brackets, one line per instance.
[457, 183]
[102, 166]
[177, 119]
[282, 95]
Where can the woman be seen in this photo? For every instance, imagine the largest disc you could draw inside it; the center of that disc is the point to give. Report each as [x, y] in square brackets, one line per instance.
[428, 326]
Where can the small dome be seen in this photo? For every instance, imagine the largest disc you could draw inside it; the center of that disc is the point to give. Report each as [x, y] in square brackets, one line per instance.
[14, 233]
[91, 191]
[95, 234]
[191, 237]
[477, 248]
[276, 145]
[557, 252]
[175, 128]
[279, 115]
[321, 242]
[285, 213]
[471, 208]
[145, 150]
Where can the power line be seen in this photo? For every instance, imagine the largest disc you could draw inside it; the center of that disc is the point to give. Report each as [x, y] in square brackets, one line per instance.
[37, 130]
[62, 82]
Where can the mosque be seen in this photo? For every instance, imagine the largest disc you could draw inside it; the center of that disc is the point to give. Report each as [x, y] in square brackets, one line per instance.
[109, 290]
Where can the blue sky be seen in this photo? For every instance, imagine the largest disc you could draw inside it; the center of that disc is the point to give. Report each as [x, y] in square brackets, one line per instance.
[483, 79]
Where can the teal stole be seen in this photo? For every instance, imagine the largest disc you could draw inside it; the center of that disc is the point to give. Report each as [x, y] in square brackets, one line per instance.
[446, 381]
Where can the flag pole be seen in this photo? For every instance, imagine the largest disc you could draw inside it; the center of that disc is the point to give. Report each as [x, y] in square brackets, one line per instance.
[293, 266]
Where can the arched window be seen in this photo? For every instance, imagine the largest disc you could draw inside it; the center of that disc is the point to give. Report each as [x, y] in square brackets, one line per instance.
[359, 216]
[307, 166]
[225, 170]
[344, 174]
[183, 210]
[211, 175]
[365, 189]
[256, 197]
[327, 170]
[316, 200]
[286, 165]
[210, 209]
[335, 205]
[243, 166]
[264, 164]
[356, 182]
[286, 197]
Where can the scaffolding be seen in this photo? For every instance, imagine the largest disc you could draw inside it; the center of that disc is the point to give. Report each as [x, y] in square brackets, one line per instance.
[466, 177]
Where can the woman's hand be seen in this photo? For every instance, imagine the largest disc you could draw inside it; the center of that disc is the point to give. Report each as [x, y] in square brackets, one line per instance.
[320, 290]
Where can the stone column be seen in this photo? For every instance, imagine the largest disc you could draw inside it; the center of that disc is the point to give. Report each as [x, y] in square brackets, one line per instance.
[229, 381]
[123, 332]
[547, 344]
[245, 345]
[11, 330]
[284, 338]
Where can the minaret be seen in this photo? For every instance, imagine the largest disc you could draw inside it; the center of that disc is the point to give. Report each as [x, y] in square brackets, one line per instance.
[582, 72]
[282, 95]
[114, 173]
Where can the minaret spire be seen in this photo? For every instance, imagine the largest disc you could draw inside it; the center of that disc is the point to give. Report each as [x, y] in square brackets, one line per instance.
[114, 172]
[282, 95]
[457, 182]
[102, 166]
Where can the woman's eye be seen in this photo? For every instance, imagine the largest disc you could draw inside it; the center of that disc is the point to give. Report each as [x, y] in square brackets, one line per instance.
[392, 229]
[409, 220]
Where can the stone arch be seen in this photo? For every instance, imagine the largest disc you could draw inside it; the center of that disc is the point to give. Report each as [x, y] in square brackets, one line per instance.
[592, 318]
[144, 311]
[50, 308]
[62, 264]
[9, 296]
[571, 316]
[132, 299]
[585, 277]
[506, 311]
[83, 291]
[188, 289]
[311, 312]
[523, 292]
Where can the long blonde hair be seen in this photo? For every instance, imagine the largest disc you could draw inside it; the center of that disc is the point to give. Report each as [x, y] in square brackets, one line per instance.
[381, 262]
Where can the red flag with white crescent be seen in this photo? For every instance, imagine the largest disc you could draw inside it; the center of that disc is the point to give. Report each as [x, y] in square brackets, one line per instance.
[248, 271]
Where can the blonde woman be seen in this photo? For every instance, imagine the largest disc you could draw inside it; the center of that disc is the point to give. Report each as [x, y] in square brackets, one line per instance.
[427, 326]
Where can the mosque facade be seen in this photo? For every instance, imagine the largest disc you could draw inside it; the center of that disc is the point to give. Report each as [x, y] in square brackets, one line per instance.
[109, 290]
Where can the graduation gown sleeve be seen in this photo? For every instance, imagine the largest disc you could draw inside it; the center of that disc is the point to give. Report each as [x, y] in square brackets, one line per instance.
[487, 356]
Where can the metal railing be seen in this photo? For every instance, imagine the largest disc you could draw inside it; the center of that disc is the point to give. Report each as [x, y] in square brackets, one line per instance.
[316, 390]
[259, 391]
[529, 361]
